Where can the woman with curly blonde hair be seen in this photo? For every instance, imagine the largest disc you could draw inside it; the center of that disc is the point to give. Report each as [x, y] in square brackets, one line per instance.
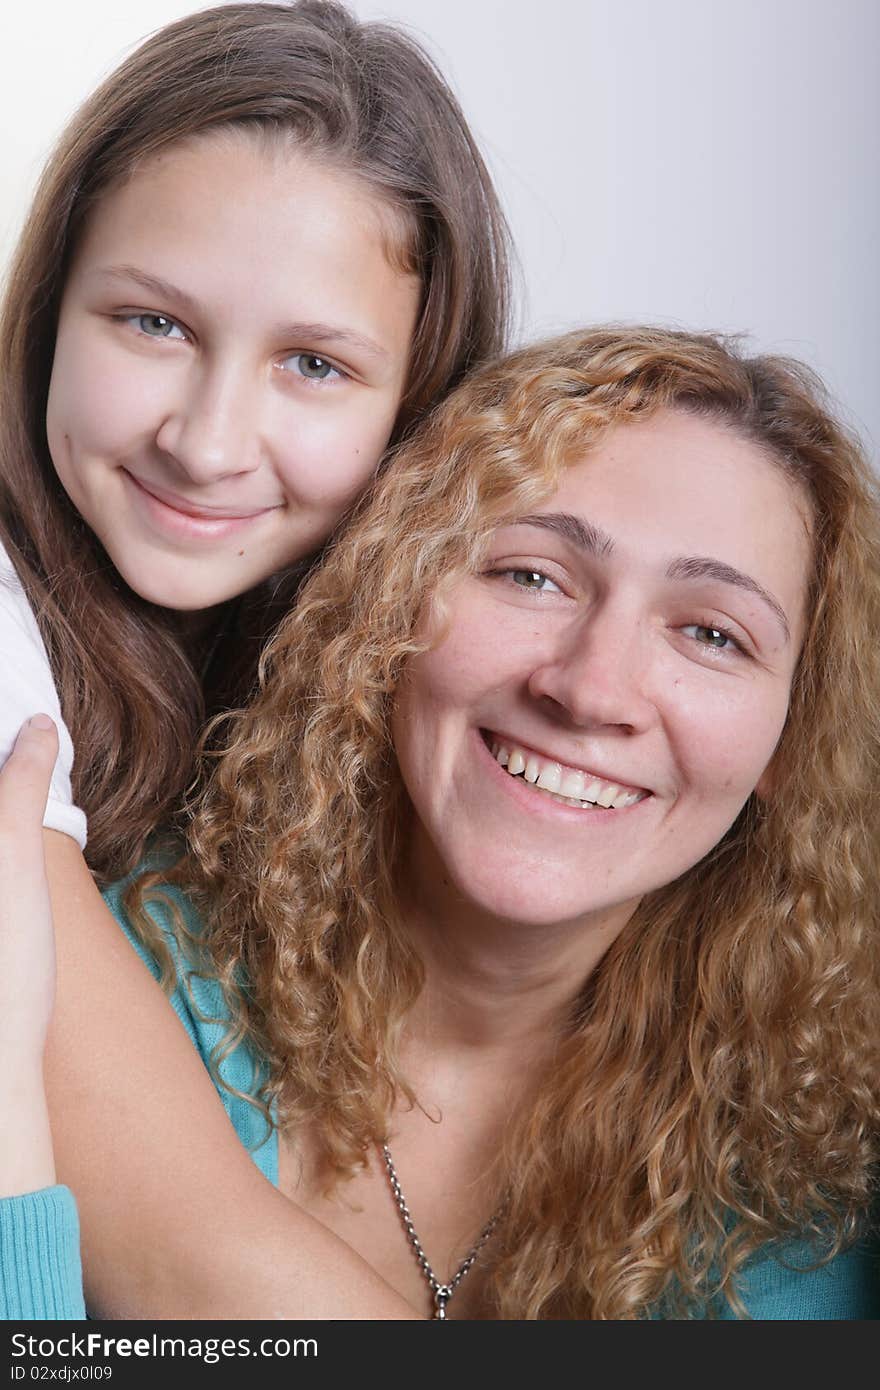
[542, 875]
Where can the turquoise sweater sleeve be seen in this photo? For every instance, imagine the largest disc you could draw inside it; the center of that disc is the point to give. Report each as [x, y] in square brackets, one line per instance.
[40, 1274]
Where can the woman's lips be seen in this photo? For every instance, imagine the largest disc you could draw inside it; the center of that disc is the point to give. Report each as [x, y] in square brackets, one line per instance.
[538, 800]
[554, 774]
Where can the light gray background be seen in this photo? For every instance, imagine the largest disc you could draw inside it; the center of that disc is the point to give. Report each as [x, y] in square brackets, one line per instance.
[710, 163]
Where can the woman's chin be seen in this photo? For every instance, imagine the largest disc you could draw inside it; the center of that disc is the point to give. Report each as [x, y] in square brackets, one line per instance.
[523, 897]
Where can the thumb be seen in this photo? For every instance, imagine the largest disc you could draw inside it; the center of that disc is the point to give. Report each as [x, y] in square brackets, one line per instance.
[27, 773]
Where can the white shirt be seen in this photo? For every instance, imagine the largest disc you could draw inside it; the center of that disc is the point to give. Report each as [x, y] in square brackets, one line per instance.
[27, 687]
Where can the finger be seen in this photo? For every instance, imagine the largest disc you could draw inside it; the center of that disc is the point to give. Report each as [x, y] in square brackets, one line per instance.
[27, 773]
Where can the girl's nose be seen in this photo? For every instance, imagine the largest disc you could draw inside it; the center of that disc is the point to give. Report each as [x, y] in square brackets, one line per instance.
[213, 430]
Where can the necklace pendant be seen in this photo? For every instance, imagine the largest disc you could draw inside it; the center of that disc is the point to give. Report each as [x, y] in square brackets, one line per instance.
[442, 1292]
[442, 1295]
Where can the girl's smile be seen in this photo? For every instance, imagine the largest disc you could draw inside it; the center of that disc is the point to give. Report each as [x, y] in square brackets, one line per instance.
[176, 516]
[232, 350]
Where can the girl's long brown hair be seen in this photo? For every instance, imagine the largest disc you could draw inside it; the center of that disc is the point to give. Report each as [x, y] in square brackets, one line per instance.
[715, 1082]
[362, 97]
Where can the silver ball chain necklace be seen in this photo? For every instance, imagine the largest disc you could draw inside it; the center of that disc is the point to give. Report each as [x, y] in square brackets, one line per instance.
[441, 1292]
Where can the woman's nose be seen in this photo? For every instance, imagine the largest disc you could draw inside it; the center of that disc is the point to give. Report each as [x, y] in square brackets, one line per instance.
[213, 430]
[596, 674]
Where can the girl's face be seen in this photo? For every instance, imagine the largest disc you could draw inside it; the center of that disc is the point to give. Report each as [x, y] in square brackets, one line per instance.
[613, 685]
[232, 350]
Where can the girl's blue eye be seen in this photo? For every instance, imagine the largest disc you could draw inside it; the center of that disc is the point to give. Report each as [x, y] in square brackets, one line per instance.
[158, 326]
[311, 366]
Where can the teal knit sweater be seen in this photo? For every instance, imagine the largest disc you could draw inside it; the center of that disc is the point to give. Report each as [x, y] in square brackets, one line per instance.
[39, 1256]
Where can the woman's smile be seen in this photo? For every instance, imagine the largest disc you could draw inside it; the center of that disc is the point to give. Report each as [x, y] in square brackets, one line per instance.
[536, 783]
[579, 786]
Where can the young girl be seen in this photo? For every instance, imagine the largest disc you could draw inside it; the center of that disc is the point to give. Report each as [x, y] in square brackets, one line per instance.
[262, 251]
[540, 880]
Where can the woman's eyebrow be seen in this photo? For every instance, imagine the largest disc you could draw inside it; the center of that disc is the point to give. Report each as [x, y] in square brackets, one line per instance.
[572, 528]
[704, 567]
[594, 541]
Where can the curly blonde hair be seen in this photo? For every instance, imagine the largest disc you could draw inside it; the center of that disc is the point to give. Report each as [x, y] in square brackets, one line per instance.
[715, 1085]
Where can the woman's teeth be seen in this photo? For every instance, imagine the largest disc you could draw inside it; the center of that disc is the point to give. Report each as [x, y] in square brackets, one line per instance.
[566, 784]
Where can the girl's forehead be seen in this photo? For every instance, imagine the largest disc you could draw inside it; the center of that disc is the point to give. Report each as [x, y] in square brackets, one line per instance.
[276, 160]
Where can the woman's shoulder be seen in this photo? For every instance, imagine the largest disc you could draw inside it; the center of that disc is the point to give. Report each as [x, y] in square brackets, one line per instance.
[17, 621]
[22, 646]
[173, 944]
[169, 939]
[789, 1283]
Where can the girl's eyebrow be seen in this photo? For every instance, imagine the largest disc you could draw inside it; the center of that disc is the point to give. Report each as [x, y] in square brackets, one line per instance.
[594, 541]
[163, 289]
[315, 334]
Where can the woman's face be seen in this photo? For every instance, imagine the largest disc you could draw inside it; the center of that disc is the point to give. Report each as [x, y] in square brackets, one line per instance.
[612, 686]
[232, 350]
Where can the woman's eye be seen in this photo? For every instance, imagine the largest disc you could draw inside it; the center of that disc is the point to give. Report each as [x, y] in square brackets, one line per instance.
[157, 326]
[535, 580]
[714, 637]
[311, 366]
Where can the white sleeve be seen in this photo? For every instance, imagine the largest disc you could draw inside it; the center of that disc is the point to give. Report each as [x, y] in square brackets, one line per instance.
[26, 688]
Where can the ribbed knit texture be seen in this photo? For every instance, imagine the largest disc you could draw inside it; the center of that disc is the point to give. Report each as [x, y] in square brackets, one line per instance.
[40, 1275]
[782, 1286]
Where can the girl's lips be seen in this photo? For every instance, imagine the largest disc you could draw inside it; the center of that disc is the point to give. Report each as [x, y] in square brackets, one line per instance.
[181, 522]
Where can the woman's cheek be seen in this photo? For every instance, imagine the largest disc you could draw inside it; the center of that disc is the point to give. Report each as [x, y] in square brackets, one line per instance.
[728, 741]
